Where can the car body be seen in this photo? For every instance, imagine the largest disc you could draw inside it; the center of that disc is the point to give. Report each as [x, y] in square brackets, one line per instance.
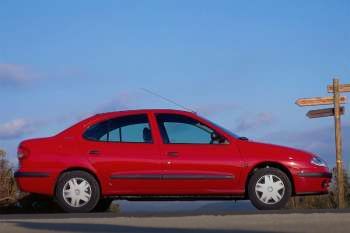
[162, 153]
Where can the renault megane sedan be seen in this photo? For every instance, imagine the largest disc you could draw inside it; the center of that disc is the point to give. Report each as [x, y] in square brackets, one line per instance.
[158, 154]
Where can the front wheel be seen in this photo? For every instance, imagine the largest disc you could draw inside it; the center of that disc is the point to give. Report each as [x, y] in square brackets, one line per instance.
[269, 189]
[77, 192]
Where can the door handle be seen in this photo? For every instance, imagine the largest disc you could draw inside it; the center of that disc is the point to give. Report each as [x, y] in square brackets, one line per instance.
[94, 152]
[173, 154]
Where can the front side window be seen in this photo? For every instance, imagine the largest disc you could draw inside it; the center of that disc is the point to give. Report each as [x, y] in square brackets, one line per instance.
[184, 130]
[122, 129]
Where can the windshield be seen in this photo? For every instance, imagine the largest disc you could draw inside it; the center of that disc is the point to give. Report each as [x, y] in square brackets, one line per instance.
[222, 128]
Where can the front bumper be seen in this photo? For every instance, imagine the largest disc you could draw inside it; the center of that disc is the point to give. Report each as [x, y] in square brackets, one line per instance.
[312, 182]
[316, 174]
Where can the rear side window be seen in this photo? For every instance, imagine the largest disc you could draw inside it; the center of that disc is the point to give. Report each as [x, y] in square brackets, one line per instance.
[133, 128]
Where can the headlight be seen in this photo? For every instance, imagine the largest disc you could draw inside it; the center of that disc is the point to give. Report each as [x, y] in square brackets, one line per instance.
[317, 161]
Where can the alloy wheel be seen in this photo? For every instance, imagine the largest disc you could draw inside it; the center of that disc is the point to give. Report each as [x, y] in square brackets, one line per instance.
[270, 189]
[77, 192]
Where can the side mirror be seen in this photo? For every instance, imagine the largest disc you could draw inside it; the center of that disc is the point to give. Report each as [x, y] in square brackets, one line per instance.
[243, 138]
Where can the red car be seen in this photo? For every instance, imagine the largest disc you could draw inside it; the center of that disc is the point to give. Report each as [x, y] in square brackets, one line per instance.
[163, 154]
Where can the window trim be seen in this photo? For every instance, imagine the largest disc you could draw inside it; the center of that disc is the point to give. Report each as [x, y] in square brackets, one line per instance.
[118, 142]
[162, 130]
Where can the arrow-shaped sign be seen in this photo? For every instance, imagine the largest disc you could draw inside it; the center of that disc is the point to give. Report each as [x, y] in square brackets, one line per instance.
[342, 88]
[324, 112]
[337, 110]
[319, 101]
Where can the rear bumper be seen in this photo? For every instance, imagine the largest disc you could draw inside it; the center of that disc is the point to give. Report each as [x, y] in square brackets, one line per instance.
[19, 174]
[35, 182]
[310, 183]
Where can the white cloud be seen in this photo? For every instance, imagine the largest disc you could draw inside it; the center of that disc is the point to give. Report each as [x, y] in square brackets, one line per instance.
[217, 108]
[16, 128]
[15, 75]
[123, 101]
[255, 121]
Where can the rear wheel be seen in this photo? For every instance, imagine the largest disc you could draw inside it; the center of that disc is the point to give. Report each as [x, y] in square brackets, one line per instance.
[269, 189]
[77, 192]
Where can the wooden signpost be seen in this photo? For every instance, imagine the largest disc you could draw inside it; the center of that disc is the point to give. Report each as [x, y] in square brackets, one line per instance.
[319, 101]
[336, 100]
[326, 112]
[342, 88]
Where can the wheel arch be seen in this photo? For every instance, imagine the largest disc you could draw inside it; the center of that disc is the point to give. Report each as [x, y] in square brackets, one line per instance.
[272, 164]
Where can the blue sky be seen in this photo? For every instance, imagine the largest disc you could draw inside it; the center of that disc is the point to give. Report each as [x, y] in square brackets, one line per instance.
[239, 63]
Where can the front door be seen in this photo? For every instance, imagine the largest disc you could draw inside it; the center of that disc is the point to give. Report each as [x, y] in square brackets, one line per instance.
[198, 159]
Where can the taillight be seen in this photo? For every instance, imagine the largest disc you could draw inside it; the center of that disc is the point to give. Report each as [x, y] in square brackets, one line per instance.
[22, 153]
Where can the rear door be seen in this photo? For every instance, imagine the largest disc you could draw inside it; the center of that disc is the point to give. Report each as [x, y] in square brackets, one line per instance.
[199, 160]
[122, 150]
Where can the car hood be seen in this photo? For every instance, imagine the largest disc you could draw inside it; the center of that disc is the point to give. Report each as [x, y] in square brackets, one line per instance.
[267, 149]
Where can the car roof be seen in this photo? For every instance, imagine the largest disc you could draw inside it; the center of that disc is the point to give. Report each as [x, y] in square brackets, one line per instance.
[141, 111]
[107, 115]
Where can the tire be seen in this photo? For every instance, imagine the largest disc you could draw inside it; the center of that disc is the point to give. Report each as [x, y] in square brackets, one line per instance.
[103, 205]
[272, 196]
[77, 192]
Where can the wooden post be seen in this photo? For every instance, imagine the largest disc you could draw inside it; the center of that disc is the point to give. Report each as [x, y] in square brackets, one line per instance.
[336, 100]
[338, 143]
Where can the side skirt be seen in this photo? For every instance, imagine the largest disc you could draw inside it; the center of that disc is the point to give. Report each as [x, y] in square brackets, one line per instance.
[177, 198]
[310, 193]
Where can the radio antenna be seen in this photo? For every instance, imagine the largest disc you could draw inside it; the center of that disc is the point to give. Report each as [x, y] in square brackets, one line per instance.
[167, 99]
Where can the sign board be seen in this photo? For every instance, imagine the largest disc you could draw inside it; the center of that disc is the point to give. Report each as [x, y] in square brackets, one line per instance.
[336, 100]
[324, 112]
[342, 88]
[319, 101]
